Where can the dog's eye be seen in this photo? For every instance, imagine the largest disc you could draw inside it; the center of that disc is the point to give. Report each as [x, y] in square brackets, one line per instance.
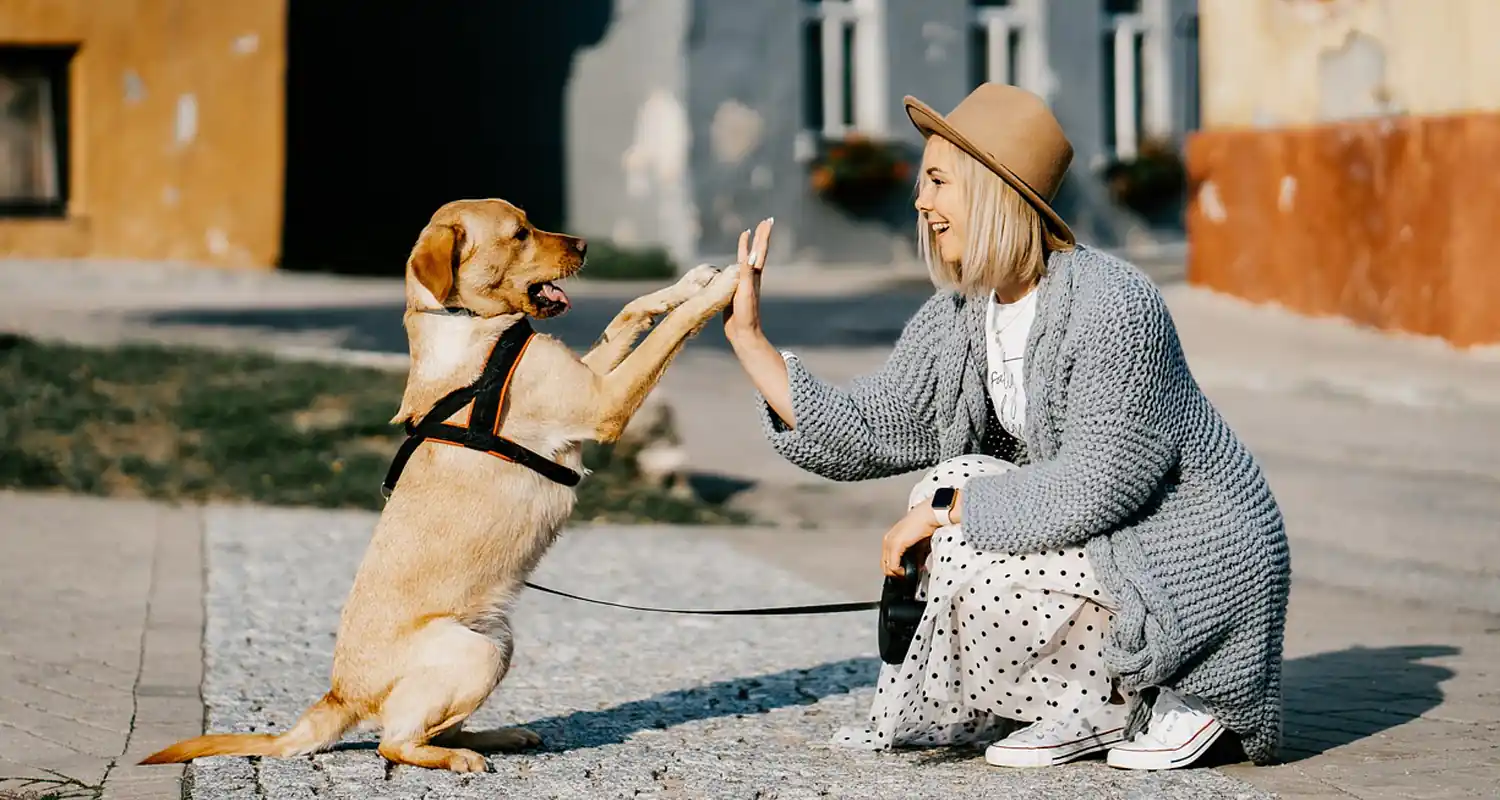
[522, 233]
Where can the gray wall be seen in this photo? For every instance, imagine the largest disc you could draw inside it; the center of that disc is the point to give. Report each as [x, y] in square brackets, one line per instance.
[1076, 61]
[744, 96]
[629, 131]
[683, 123]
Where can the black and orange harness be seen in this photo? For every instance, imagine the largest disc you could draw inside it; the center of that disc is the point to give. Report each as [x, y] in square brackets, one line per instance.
[485, 399]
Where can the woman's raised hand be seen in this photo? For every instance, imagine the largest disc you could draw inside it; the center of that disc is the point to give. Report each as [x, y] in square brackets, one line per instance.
[742, 317]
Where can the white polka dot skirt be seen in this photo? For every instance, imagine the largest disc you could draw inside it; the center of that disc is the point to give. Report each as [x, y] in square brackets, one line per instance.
[1005, 637]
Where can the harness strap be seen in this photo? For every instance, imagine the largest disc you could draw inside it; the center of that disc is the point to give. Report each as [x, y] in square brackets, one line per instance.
[484, 398]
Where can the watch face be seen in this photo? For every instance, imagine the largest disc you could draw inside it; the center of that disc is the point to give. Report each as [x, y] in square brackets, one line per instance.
[943, 498]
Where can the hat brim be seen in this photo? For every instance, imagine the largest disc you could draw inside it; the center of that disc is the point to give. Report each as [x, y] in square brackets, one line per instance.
[931, 123]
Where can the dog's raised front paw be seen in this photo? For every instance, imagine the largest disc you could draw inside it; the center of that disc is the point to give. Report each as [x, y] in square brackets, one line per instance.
[699, 276]
[720, 290]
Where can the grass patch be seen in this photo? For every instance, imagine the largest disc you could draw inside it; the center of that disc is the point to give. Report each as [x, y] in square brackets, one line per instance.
[188, 424]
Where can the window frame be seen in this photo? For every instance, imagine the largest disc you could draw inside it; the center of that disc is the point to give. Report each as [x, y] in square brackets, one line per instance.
[858, 93]
[55, 62]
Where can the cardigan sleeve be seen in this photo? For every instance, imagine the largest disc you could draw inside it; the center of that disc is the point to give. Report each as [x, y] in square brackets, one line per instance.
[1116, 437]
[879, 425]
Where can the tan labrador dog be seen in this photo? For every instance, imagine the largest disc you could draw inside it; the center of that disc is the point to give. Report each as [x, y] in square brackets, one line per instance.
[424, 636]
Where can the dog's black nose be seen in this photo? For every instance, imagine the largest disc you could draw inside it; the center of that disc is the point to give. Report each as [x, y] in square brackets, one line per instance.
[583, 246]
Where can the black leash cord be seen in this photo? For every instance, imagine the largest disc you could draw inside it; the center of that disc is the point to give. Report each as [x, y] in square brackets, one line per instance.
[782, 611]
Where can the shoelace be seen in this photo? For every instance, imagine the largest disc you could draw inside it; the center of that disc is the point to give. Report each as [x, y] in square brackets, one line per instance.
[1043, 731]
[1170, 719]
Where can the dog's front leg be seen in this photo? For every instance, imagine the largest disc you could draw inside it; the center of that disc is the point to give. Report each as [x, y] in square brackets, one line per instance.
[620, 393]
[637, 316]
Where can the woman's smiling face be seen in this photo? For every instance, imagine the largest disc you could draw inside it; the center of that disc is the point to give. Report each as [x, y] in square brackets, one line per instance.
[942, 202]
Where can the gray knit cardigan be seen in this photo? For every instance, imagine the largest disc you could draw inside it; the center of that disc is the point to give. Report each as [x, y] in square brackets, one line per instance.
[1122, 451]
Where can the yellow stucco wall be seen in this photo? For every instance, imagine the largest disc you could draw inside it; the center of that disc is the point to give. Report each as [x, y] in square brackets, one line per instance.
[177, 129]
[1288, 63]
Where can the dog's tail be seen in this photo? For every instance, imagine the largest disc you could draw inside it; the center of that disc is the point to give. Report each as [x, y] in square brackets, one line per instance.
[320, 726]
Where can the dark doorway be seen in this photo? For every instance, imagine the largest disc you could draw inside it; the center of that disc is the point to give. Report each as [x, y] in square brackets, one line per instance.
[396, 108]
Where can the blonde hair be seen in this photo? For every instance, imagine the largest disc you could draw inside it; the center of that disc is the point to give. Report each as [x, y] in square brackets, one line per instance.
[1007, 242]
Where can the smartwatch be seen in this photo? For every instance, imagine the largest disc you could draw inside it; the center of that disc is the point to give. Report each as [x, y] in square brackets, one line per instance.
[942, 505]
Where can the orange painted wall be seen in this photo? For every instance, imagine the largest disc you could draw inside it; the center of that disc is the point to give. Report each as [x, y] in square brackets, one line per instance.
[1385, 222]
[177, 117]
[1349, 162]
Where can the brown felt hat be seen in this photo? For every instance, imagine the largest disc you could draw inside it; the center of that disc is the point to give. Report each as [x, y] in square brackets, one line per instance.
[1011, 131]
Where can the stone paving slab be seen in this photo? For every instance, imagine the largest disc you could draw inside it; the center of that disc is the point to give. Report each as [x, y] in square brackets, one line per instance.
[629, 704]
[99, 641]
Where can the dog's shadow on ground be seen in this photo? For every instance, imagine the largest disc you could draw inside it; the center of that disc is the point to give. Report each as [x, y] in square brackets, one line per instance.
[758, 694]
[1331, 699]
[727, 698]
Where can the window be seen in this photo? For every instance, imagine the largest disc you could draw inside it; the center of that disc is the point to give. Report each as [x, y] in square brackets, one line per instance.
[995, 42]
[844, 54]
[1122, 45]
[34, 130]
[1007, 43]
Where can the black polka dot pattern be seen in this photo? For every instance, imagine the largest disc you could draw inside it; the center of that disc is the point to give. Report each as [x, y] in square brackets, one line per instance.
[1004, 637]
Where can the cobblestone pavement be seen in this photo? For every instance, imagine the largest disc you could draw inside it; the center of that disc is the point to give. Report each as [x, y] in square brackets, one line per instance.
[629, 704]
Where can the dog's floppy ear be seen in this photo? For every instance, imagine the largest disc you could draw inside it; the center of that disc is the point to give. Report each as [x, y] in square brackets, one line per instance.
[436, 257]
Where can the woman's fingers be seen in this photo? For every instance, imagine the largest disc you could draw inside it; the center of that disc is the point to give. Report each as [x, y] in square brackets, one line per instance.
[744, 250]
[890, 555]
[762, 243]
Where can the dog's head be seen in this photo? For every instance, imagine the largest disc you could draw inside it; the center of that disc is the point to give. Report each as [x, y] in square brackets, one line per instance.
[485, 256]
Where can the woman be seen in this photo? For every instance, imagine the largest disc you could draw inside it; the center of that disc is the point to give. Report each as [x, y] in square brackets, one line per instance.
[1107, 564]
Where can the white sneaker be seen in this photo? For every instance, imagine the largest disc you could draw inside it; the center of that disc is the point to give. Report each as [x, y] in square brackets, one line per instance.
[1180, 731]
[1045, 743]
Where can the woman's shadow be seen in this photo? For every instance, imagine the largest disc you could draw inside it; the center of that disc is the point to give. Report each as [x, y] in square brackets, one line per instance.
[1333, 699]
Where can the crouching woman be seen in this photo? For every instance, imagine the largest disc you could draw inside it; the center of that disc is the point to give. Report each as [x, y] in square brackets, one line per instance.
[1106, 569]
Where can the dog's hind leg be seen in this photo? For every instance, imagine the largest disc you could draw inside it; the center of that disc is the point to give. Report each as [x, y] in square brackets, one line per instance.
[638, 315]
[499, 740]
[449, 673]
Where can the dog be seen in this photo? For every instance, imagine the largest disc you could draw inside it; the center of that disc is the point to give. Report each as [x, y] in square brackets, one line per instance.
[424, 636]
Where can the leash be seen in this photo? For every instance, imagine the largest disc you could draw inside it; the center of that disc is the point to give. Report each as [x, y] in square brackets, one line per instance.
[779, 611]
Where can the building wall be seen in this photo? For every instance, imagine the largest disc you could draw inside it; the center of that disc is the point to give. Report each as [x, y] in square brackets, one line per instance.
[685, 126]
[176, 129]
[686, 123]
[629, 134]
[1350, 163]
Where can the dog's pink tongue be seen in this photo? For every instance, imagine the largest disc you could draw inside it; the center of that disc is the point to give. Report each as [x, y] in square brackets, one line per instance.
[556, 295]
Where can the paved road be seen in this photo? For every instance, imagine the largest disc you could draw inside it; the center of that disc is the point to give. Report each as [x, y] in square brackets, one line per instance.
[98, 666]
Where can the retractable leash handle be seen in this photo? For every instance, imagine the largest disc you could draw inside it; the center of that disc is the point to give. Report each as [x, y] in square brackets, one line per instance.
[900, 610]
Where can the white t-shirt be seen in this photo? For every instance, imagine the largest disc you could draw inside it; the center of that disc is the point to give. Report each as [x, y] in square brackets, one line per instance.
[1006, 327]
